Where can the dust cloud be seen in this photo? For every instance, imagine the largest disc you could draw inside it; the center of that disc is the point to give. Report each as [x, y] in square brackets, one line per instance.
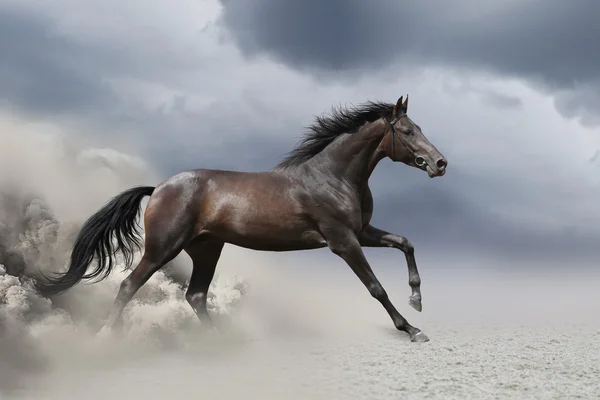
[49, 184]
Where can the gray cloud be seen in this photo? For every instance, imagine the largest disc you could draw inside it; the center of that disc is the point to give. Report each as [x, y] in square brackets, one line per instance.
[448, 222]
[44, 72]
[549, 43]
[500, 100]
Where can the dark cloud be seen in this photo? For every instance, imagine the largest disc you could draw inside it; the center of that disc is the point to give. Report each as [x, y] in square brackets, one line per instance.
[176, 139]
[500, 100]
[43, 72]
[551, 43]
[48, 70]
[446, 222]
[444, 216]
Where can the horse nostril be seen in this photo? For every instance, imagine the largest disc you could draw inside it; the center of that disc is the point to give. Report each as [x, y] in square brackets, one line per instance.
[420, 161]
[441, 163]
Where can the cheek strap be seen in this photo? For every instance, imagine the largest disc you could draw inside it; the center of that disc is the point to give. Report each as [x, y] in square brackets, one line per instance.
[393, 135]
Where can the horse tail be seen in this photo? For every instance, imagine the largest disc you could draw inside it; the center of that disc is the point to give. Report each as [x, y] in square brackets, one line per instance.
[116, 220]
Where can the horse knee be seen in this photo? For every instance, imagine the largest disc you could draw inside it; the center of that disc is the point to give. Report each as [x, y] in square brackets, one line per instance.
[406, 246]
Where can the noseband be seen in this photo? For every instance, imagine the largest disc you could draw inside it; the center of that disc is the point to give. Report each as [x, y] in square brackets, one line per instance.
[393, 132]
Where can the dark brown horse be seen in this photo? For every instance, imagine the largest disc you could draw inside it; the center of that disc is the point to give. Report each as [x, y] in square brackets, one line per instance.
[317, 197]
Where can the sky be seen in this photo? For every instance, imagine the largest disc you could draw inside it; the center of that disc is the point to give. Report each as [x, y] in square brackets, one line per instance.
[508, 92]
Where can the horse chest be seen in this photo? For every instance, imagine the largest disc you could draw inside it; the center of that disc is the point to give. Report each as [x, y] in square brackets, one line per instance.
[349, 212]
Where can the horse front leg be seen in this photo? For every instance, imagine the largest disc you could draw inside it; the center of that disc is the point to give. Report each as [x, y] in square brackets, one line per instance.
[347, 246]
[373, 237]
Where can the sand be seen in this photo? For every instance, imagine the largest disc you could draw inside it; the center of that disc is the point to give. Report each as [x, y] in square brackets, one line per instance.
[492, 337]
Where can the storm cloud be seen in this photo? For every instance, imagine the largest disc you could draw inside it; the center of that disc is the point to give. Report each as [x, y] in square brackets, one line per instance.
[551, 44]
[45, 73]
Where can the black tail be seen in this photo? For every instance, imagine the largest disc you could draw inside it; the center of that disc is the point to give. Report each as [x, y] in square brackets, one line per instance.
[117, 219]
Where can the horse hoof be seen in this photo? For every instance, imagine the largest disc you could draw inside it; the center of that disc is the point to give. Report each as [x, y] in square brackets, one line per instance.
[419, 337]
[415, 302]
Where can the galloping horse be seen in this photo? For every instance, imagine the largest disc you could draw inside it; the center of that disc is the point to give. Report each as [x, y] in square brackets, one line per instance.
[318, 196]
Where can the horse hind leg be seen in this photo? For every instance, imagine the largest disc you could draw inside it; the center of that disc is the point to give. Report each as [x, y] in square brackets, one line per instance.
[205, 253]
[147, 266]
[161, 246]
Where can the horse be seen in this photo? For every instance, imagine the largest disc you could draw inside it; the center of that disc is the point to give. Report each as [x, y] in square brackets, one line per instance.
[318, 196]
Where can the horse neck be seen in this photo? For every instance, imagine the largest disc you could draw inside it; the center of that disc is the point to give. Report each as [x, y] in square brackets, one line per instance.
[353, 157]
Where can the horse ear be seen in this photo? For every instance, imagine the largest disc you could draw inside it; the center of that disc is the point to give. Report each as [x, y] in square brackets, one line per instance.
[398, 107]
[405, 105]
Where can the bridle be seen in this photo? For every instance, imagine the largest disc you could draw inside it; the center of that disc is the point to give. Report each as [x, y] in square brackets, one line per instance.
[393, 132]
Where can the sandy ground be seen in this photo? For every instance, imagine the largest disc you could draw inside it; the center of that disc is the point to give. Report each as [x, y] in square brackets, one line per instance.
[493, 337]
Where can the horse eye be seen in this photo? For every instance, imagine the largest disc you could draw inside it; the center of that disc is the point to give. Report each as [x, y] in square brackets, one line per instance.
[408, 132]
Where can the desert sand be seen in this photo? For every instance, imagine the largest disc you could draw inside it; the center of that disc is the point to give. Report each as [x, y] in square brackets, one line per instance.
[302, 334]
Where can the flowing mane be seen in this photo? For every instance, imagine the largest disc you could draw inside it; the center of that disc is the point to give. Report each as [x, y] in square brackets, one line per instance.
[326, 129]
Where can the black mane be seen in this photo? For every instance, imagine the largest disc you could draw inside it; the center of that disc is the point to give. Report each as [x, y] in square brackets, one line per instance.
[326, 128]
